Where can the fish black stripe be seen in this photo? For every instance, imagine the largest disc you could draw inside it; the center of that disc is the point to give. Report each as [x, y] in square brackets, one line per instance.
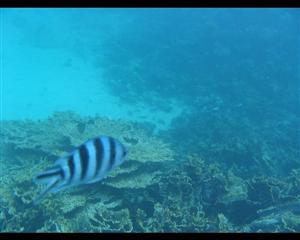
[99, 155]
[112, 155]
[59, 172]
[47, 190]
[46, 175]
[71, 167]
[84, 158]
[62, 173]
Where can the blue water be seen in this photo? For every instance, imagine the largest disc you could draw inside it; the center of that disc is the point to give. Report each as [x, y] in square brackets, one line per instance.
[219, 86]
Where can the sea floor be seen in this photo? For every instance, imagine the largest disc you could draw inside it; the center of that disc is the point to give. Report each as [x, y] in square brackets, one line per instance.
[61, 81]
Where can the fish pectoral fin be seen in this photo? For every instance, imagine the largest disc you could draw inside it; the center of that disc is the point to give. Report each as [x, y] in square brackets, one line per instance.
[49, 187]
[62, 187]
[94, 180]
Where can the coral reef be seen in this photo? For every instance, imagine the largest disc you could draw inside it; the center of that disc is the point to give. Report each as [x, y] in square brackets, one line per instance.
[65, 130]
[239, 142]
[57, 135]
[31, 146]
[154, 191]
[103, 217]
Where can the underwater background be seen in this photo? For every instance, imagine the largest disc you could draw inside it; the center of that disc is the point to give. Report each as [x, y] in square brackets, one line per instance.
[206, 101]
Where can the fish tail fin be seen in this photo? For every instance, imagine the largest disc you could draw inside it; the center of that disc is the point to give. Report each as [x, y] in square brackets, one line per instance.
[51, 177]
[47, 176]
[52, 184]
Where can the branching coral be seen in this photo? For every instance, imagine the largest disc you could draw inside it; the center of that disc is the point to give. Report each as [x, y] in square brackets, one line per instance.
[102, 217]
[149, 193]
[35, 144]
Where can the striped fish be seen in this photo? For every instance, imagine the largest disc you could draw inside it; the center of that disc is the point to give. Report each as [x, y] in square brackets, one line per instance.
[88, 163]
